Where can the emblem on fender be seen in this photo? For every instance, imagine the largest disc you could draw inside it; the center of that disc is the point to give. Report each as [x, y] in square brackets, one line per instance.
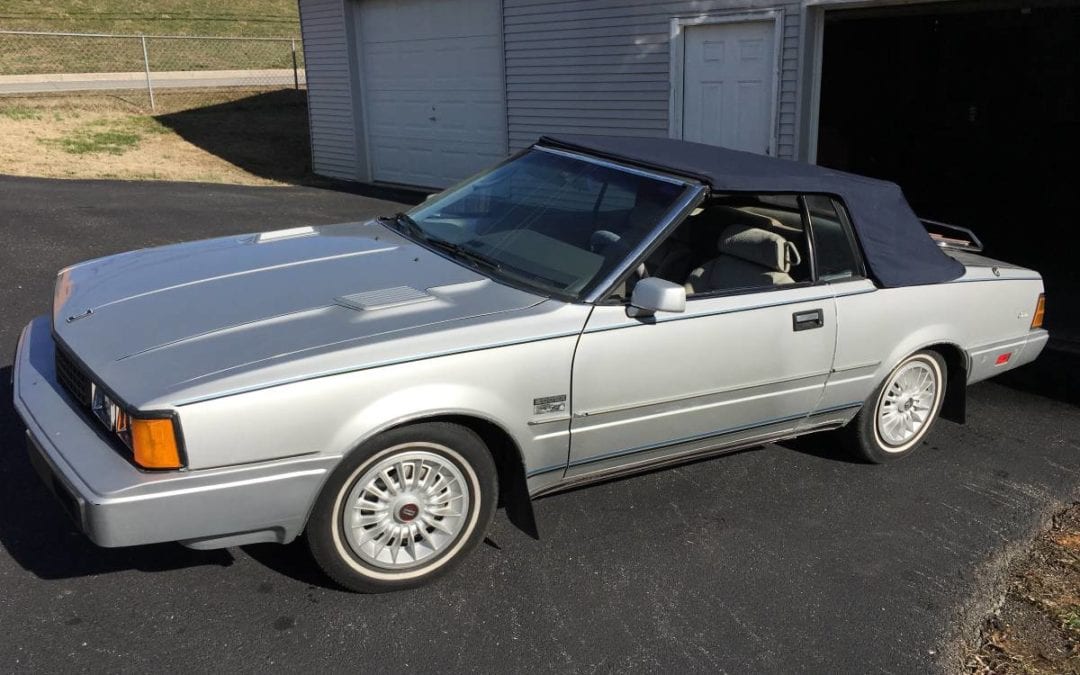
[549, 404]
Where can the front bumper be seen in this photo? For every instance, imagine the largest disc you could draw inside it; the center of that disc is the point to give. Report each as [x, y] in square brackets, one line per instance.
[116, 504]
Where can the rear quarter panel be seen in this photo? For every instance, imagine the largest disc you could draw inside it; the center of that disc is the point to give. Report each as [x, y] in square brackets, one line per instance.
[980, 313]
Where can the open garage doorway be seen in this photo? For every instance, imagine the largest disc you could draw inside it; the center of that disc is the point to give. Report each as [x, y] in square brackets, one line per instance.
[974, 108]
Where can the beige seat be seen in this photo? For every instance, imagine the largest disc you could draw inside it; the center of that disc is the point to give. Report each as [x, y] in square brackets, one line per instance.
[750, 257]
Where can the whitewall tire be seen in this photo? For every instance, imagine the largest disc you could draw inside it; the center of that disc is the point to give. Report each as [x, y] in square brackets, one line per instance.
[404, 508]
[899, 414]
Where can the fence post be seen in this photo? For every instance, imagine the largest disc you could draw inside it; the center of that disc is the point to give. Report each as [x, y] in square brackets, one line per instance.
[146, 63]
[295, 72]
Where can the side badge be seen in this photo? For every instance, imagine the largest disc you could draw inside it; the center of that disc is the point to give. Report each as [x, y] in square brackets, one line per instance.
[549, 404]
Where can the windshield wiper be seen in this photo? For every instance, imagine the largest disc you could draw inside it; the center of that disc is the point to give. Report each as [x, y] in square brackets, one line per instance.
[405, 223]
[467, 254]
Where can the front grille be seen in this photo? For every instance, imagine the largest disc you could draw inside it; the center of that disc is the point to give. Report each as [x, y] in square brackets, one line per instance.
[73, 379]
[77, 383]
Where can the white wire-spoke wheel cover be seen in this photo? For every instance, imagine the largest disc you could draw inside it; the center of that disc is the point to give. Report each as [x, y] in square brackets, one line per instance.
[908, 403]
[406, 511]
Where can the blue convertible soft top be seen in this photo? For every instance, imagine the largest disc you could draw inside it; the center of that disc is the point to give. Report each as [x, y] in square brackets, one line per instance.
[897, 249]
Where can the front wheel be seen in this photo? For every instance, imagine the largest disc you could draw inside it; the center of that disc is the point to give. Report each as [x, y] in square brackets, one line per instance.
[404, 508]
[901, 411]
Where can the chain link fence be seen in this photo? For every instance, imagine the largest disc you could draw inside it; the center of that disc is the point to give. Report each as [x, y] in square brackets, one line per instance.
[155, 71]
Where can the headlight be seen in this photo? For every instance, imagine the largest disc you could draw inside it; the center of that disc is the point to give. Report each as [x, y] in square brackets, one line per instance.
[152, 440]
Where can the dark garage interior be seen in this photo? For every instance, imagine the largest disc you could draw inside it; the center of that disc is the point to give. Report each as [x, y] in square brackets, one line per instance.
[973, 107]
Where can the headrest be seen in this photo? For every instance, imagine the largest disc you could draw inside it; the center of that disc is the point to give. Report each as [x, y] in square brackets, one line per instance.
[760, 247]
[602, 239]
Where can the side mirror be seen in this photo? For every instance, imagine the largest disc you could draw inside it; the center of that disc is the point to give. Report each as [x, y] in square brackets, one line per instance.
[652, 295]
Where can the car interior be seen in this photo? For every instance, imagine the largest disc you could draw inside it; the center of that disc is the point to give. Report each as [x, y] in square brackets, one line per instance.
[563, 224]
[732, 242]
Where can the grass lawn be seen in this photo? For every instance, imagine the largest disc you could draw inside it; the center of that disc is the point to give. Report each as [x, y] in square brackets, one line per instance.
[248, 18]
[21, 55]
[243, 137]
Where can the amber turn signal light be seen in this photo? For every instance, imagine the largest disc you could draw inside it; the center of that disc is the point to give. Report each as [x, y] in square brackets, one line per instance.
[154, 444]
[1040, 310]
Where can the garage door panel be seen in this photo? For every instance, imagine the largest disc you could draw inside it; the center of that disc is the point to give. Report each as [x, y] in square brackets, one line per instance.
[455, 120]
[462, 161]
[419, 164]
[473, 59]
[433, 88]
[384, 20]
[437, 64]
[447, 141]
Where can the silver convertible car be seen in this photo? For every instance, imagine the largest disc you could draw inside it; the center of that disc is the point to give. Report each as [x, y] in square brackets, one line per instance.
[591, 306]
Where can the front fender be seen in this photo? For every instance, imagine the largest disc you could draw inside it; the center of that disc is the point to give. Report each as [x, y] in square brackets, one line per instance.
[424, 401]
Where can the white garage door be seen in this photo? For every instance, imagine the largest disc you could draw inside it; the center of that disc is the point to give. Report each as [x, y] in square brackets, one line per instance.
[433, 88]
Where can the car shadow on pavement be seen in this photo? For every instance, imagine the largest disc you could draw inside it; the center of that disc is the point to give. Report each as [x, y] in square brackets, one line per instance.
[823, 444]
[38, 535]
[293, 560]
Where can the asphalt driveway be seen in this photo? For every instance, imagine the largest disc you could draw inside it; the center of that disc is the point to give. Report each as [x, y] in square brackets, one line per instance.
[777, 559]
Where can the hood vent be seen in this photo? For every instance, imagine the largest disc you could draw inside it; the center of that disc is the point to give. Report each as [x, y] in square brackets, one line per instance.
[290, 233]
[385, 298]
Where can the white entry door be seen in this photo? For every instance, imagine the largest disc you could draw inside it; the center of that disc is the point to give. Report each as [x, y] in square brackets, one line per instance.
[728, 84]
[432, 87]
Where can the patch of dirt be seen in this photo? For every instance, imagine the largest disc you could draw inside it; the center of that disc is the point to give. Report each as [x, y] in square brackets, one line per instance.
[248, 137]
[1037, 629]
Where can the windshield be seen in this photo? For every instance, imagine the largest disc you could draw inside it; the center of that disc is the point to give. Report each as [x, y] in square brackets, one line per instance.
[550, 222]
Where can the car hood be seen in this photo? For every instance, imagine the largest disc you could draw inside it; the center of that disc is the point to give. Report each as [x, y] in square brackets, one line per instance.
[159, 325]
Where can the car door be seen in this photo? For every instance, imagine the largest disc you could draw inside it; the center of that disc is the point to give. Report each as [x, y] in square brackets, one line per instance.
[859, 349]
[729, 370]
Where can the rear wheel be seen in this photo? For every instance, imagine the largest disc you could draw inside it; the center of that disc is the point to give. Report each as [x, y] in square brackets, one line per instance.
[901, 411]
[404, 508]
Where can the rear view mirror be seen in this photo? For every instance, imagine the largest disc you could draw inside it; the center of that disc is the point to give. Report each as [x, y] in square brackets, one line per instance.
[653, 295]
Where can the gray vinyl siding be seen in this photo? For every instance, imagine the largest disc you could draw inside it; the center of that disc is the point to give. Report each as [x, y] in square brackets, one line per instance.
[334, 136]
[604, 66]
[571, 66]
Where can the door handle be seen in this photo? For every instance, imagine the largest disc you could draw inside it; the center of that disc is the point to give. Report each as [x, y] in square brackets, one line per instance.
[807, 319]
